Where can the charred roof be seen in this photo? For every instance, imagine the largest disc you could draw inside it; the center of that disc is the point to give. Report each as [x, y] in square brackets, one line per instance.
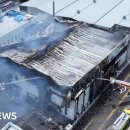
[67, 62]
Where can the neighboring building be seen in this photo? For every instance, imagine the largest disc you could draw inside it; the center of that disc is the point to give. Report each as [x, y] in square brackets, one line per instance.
[99, 12]
[11, 126]
[12, 23]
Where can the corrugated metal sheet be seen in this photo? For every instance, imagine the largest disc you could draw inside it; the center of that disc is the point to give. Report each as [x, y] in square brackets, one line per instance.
[104, 13]
[75, 56]
[116, 15]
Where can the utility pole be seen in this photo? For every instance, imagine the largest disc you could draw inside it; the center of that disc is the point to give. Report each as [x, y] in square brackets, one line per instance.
[53, 8]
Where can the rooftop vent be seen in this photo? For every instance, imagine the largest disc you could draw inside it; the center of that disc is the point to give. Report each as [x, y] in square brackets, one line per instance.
[124, 17]
[94, 1]
[78, 11]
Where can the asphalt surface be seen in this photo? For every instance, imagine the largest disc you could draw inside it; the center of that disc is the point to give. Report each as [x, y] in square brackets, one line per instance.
[106, 113]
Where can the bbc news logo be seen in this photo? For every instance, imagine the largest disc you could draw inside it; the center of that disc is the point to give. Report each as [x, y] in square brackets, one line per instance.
[8, 116]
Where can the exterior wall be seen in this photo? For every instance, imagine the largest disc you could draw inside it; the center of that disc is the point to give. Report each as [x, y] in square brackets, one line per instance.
[80, 104]
[56, 99]
[122, 60]
[87, 97]
[20, 33]
[115, 62]
[76, 107]
[119, 47]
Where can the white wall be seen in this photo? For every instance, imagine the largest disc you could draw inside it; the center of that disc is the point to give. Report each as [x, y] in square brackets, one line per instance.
[71, 111]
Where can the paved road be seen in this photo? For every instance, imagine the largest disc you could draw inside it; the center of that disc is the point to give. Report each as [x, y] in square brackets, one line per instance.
[109, 112]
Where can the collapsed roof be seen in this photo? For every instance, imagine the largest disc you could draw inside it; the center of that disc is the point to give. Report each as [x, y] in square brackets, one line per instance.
[73, 57]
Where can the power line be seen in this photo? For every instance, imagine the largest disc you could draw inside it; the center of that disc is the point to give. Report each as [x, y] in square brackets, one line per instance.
[67, 6]
[89, 6]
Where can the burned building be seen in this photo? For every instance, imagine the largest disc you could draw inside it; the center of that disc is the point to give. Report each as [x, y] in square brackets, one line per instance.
[73, 67]
[51, 67]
